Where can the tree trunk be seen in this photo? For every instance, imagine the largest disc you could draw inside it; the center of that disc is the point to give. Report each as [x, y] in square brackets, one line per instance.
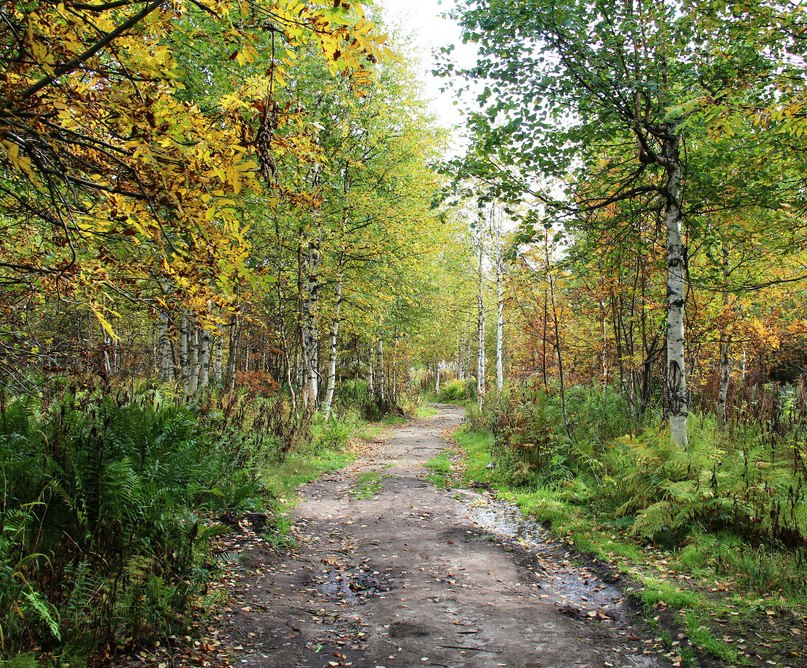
[556, 326]
[481, 360]
[332, 358]
[725, 347]
[499, 322]
[193, 359]
[678, 401]
[204, 359]
[184, 339]
[218, 356]
[382, 389]
[310, 328]
[394, 386]
[232, 352]
[166, 363]
[371, 371]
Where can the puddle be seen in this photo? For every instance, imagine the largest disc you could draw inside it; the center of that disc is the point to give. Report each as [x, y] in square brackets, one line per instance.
[353, 585]
[579, 590]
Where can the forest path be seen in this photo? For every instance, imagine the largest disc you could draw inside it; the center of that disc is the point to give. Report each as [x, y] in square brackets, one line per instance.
[412, 576]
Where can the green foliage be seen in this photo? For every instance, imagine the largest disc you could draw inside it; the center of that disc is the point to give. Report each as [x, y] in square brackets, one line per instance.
[106, 506]
[441, 470]
[738, 482]
[456, 391]
[367, 485]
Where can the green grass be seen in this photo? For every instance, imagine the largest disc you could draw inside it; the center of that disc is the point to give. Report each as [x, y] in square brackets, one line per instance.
[282, 480]
[676, 581]
[441, 469]
[367, 485]
[425, 411]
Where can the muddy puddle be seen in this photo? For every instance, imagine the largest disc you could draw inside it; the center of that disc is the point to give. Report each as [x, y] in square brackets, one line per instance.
[352, 584]
[576, 588]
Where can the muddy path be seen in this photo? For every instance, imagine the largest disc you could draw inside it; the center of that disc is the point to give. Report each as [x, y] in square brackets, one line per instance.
[416, 576]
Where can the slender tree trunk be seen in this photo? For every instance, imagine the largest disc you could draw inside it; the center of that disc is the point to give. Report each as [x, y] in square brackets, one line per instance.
[204, 359]
[437, 380]
[218, 358]
[371, 371]
[499, 322]
[678, 400]
[184, 351]
[193, 359]
[604, 339]
[382, 389]
[311, 330]
[166, 361]
[725, 347]
[481, 360]
[332, 358]
[394, 386]
[232, 352]
[556, 326]
[545, 326]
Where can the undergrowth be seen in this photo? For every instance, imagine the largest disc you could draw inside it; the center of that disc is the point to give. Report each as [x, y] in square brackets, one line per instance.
[108, 502]
[716, 530]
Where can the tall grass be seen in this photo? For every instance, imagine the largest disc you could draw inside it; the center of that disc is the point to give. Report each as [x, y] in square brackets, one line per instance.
[741, 486]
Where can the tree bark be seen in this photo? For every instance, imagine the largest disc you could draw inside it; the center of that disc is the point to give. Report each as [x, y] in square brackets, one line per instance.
[499, 320]
[725, 347]
[481, 359]
[232, 352]
[310, 327]
[184, 368]
[327, 404]
[379, 350]
[556, 326]
[193, 359]
[166, 364]
[218, 356]
[204, 359]
[678, 400]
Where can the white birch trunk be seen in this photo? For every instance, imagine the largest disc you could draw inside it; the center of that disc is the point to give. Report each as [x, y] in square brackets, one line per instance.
[371, 371]
[676, 294]
[382, 389]
[499, 324]
[332, 356]
[481, 360]
[725, 349]
[311, 331]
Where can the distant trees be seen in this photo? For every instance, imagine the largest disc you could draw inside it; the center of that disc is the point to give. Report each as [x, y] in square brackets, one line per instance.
[620, 118]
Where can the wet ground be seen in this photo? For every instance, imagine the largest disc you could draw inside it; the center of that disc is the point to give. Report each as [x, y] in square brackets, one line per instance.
[417, 576]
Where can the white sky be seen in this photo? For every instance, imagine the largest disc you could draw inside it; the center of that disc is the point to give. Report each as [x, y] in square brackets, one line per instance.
[429, 31]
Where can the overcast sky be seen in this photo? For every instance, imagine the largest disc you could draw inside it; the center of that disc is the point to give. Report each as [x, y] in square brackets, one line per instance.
[429, 31]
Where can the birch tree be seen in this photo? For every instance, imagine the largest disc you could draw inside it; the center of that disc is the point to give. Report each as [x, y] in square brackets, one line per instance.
[562, 80]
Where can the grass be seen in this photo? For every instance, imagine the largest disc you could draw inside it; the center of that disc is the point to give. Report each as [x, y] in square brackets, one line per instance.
[330, 450]
[425, 411]
[441, 470]
[678, 588]
[367, 485]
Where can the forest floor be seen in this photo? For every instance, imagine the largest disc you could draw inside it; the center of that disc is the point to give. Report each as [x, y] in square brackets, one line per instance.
[391, 571]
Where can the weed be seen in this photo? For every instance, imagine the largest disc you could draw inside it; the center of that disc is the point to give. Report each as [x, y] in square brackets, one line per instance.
[367, 485]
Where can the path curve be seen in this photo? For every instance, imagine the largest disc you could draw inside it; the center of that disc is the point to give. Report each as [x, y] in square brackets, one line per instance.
[406, 578]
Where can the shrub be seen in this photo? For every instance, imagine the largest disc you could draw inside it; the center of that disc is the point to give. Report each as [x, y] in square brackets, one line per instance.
[104, 503]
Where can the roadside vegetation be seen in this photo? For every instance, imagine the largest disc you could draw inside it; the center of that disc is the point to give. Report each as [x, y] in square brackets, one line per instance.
[712, 539]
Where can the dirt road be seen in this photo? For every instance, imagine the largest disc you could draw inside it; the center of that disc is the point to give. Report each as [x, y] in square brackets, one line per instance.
[417, 576]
